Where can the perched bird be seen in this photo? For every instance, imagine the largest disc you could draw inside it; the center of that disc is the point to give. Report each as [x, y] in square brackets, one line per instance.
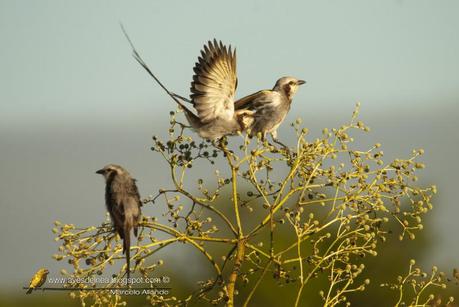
[123, 203]
[270, 106]
[38, 280]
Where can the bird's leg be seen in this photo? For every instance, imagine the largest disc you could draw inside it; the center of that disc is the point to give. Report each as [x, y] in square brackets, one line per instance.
[221, 144]
[264, 139]
[275, 140]
[280, 143]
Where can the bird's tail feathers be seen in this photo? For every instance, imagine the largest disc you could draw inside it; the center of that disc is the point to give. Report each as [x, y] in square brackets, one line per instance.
[181, 98]
[127, 250]
[142, 63]
[29, 291]
[192, 118]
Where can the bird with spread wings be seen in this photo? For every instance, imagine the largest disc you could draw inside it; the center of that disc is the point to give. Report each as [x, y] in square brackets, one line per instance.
[212, 95]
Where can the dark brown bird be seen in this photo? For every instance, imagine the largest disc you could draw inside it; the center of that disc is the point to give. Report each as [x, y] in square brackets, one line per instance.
[123, 203]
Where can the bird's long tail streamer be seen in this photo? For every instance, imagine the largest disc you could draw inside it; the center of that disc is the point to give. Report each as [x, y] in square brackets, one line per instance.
[139, 59]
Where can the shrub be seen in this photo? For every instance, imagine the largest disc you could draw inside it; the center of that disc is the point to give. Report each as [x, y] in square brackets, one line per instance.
[294, 215]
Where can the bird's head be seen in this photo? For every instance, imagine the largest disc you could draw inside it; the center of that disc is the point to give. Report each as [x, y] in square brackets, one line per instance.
[288, 86]
[43, 272]
[110, 170]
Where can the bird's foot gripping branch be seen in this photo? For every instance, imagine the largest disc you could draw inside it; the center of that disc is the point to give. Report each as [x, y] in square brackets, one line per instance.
[259, 218]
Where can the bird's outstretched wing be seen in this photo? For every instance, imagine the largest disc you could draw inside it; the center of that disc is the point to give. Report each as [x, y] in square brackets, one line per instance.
[214, 82]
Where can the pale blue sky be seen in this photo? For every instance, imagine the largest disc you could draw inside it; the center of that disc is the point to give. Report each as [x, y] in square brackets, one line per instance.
[72, 98]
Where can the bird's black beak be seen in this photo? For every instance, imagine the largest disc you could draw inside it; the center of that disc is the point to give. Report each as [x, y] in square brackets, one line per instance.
[300, 82]
[101, 171]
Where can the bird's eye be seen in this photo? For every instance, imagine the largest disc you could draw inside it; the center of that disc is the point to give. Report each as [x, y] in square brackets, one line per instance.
[291, 83]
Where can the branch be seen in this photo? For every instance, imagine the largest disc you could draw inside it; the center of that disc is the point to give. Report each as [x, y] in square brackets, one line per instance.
[240, 253]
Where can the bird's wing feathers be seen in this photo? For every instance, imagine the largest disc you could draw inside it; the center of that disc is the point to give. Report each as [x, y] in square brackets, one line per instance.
[254, 100]
[134, 206]
[118, 218]
[214, 82]
[133, 191]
